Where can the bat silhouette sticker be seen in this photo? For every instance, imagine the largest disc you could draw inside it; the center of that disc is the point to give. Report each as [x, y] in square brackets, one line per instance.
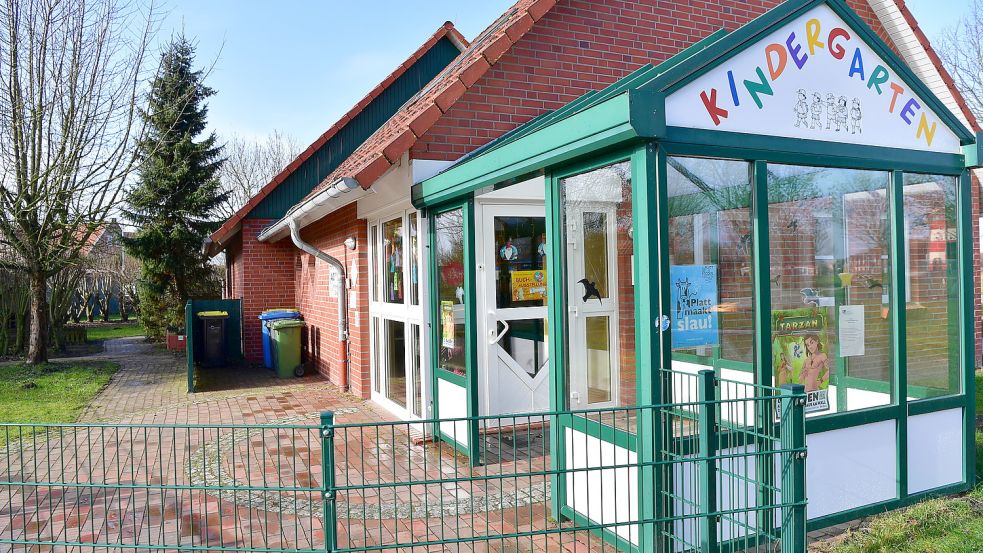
[590, 290]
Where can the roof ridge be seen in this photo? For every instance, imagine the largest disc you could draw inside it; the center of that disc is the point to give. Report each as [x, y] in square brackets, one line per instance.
[446, 29]
[394, 138]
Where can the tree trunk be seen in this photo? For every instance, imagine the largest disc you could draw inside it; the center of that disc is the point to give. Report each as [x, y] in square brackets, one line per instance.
[37, 347]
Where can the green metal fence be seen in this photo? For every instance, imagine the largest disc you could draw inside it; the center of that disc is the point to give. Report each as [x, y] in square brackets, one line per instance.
[160, 487]
[724, 470]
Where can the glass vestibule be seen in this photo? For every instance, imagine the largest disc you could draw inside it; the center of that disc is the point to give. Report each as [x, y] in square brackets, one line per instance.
[829, 243]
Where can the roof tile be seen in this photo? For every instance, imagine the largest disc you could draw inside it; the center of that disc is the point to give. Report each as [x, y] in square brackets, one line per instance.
[386, 146]
[229, 227]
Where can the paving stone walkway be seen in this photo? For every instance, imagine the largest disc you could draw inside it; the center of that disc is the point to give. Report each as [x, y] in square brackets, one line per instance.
[238, 466]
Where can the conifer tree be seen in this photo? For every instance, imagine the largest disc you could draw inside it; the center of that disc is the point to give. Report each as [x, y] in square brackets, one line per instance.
[176, 199]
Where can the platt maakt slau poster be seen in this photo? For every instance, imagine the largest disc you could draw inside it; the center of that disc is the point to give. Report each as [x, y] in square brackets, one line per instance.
[803, 353]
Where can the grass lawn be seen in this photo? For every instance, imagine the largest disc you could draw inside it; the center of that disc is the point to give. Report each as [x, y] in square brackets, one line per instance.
[52, 393]
[949, 525]
[96, 333]
[979, 392]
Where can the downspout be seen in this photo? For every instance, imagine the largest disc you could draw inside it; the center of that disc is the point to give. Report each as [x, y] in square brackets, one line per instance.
[342, 296]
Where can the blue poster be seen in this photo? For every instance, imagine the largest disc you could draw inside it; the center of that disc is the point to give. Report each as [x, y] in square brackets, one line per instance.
[694, 305]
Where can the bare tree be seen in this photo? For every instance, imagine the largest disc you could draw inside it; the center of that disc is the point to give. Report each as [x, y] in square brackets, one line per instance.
[961, 49]
[71, 74]
[250, 164]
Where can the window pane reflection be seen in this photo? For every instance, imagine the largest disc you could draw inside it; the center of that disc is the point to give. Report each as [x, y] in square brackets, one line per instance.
[932, 295]
[449, 245]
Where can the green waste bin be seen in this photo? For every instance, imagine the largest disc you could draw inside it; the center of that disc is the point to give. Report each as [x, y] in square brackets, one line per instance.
[285, 335]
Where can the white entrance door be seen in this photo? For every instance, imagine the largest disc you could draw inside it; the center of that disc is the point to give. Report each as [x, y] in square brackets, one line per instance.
[592, 290]
[512, 309]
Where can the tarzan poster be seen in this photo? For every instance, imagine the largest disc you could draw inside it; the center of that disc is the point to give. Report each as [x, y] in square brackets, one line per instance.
[802, 352]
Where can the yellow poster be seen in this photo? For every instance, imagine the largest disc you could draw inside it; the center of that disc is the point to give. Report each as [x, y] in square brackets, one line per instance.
[528, 285]
[447, 324]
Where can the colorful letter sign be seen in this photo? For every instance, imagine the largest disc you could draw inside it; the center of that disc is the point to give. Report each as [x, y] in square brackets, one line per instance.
[813, 78]
[694, 305]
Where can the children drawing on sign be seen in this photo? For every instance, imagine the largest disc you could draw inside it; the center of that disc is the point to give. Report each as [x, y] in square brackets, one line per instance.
[855, 117]
[841, 114]
[817, 111]
[830, 110]
[801, 110]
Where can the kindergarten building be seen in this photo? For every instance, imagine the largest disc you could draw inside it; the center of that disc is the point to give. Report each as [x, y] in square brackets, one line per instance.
[589, 193]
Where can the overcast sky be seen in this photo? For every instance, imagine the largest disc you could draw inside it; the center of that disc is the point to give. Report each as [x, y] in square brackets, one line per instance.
[298, 65]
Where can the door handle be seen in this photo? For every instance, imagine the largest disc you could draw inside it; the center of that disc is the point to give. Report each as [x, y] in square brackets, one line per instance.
[496, 339]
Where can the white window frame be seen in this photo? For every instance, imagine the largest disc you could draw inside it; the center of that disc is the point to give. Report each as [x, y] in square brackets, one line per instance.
[381, 311]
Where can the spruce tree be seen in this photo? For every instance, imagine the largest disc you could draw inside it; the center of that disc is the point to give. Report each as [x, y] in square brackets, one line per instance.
[178, 194]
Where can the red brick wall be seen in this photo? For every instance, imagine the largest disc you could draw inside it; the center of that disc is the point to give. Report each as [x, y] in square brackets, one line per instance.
[267, 279]
[321, 344]
[579, 46]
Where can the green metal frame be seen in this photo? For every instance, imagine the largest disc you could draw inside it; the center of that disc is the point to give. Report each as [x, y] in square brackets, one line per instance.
[617, 124]
[468, 381]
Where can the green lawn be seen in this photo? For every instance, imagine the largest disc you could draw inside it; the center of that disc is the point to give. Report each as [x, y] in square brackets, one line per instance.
[979, 393]
[96, 333]
[52, 393]
[946, 525]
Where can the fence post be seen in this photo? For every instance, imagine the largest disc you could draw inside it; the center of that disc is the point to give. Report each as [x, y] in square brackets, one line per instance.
[793, 435]
[707, 428]
[328, 471]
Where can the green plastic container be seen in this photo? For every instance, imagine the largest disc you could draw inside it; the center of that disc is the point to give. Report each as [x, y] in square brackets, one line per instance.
[285, 335]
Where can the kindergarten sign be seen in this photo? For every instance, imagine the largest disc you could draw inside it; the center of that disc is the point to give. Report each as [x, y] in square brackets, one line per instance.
[813, 78]
[694, 305]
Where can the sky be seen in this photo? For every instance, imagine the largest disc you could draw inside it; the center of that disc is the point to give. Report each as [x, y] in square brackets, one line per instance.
[298, 65]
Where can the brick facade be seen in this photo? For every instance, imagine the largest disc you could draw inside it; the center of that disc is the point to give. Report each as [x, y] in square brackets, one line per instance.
[577, 47]
[263, 279]
[322, 346]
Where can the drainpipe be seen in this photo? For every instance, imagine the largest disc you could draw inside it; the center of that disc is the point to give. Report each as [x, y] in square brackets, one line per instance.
[342, 297]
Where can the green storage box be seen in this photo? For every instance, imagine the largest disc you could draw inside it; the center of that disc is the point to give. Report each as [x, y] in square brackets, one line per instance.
[285, 335]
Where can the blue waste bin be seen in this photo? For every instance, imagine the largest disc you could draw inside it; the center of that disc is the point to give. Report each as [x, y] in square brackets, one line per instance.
[267, 317]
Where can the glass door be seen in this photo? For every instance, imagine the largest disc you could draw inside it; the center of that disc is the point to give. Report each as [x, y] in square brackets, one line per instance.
[513, 346]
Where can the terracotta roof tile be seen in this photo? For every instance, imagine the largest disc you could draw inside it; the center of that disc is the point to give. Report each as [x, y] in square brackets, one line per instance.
[418, 114]
[229, 227]
[937, 62]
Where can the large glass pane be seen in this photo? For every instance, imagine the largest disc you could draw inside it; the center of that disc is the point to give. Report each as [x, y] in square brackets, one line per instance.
[830, 268]
[520, 261]
[395, 359]
[377, 355]
[416, 361]
[596, 251]
[524, 342]
[710, 256]
[449, 256]
[599, 256]
[374, 261]
[933, 281]
[392, 248]
[598, 359]
[414, 254]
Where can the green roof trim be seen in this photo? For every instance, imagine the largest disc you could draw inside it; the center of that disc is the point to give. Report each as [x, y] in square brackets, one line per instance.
[634, 108]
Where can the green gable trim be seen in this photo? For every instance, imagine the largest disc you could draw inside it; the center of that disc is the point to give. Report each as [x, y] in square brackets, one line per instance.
[326, 159]
[722, 50]
[974, 152]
